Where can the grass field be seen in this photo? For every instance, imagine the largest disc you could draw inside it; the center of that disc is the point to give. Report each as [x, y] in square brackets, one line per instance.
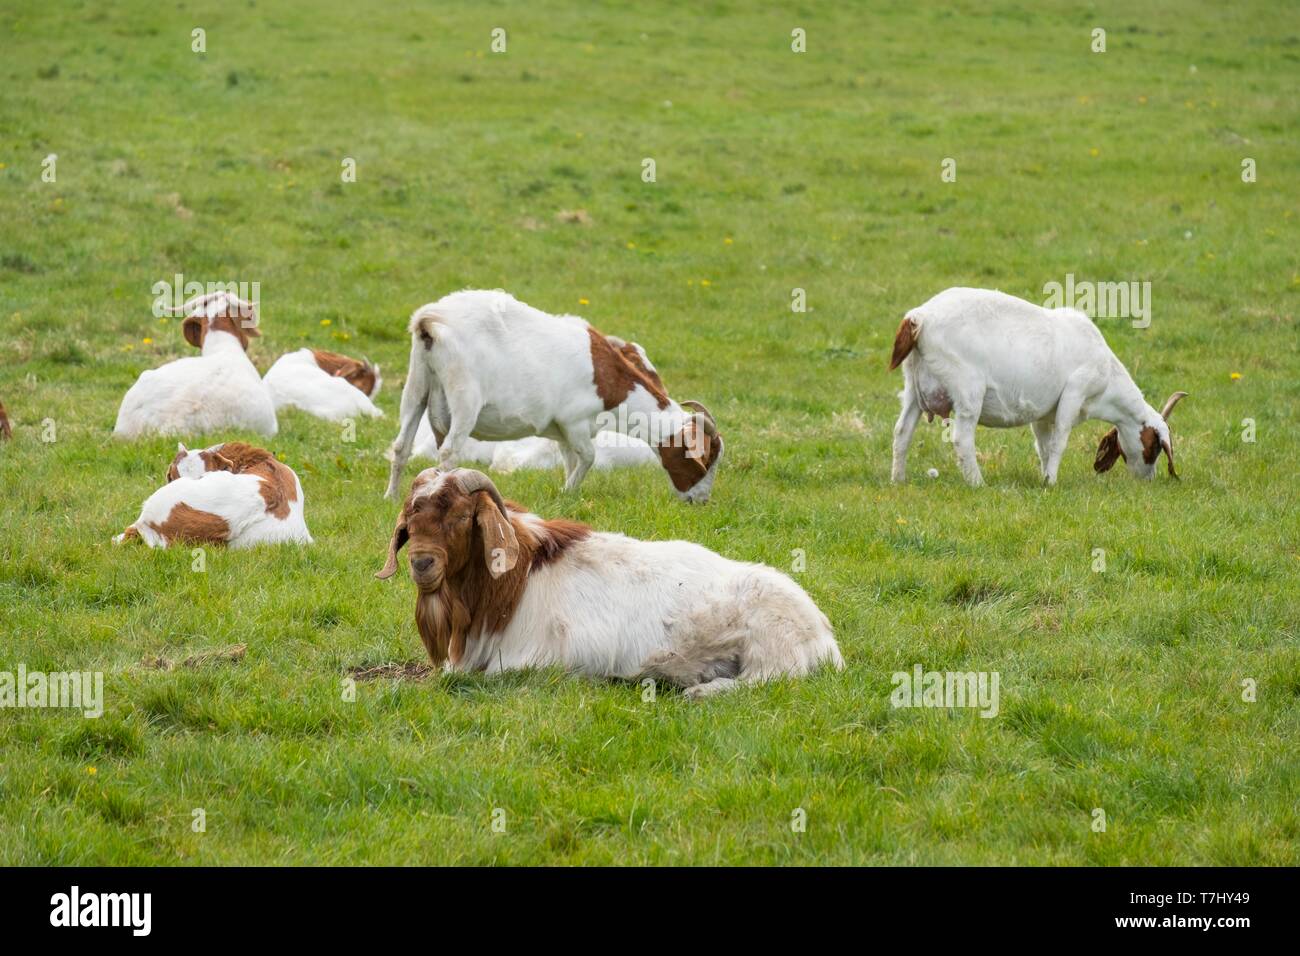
[1121, 690]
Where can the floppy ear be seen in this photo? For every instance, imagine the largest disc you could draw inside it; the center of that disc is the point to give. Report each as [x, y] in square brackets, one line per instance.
[192, 328]
[1108, 451]
[500, 546]
[1169, 453]
[396, 544]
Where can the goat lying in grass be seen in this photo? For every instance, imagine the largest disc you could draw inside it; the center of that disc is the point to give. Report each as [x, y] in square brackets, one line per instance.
[232, 494]
[487, 366]
[500, 589]
[613, 450]
[989, 358]
[325, 384]
[216, 390]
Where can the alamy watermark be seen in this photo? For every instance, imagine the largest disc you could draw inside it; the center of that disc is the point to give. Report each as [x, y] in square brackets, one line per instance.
[81, 690]
[1102, 300]
[946, 689]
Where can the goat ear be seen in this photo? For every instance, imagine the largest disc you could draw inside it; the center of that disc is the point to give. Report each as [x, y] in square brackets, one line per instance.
[395, 544]
[192, 328]
[500, 545]
[181, 449]
[1108, 451]
[1168, 448]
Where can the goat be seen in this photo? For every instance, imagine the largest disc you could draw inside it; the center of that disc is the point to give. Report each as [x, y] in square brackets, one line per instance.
[484, 364]
[613, 450]
[989, 358]
[233, 494]
[324, 384]
[6, 430]
[501, 589]
[218, 389]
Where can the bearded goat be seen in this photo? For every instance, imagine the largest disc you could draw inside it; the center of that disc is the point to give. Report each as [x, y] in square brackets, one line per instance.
[500, 589]
[232, 494]
[487, 366]
[325, 384]
[215, 390]
[989, 358]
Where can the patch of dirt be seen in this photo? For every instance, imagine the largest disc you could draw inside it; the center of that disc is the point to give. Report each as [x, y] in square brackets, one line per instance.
[229, 655]
[410, 670]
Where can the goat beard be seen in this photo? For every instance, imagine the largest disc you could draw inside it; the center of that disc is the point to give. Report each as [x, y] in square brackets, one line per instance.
[443, 622]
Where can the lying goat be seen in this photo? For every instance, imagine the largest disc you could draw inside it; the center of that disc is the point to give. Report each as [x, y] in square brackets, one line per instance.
[232, 494]
[613, 450]
[989, 358]
[216, 390]
[484, 364]
[501, 589]
[324, 384]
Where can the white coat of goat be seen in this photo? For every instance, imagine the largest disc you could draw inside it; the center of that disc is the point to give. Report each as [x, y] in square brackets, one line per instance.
[984, 357]
[487, 366]
[232, 494]
[324, 384]
[613, 450]
[500, 588]
[217, 390]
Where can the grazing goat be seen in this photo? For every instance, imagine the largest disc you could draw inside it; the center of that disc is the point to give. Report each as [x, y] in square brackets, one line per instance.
[989, 358]
[6, 430]
[613, 450]
[484, 364]
[324, 384]
[500, 589]
[232, 494]
[216, 390]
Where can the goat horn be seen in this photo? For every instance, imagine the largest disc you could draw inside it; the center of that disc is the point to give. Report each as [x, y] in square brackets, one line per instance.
[710, 426]
[472, 482]
[1174, 399]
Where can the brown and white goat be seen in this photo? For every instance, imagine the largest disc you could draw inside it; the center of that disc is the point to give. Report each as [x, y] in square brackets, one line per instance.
[232, 494]
[500, 588]
[485, 365]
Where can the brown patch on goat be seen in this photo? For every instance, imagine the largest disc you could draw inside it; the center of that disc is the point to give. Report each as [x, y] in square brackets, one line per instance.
[904, 342]
[6, 430]
[190, 524]
[615, 374]
[1150, 445]
[355, 372]
[196, 327]
[278, 487]
[556, 536]
[687, 458]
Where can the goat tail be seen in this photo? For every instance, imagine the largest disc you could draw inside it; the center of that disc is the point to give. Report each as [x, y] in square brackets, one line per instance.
[904, 340]
[427, 324]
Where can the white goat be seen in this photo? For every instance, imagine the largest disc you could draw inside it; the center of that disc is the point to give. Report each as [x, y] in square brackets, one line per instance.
[989, 358]
[231, 494]
[214, 391]
[484, 364]
[502, 589]
[325, 384]
[613, 450]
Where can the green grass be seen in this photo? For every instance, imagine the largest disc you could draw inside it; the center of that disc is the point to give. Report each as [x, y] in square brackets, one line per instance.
[1119, 690]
